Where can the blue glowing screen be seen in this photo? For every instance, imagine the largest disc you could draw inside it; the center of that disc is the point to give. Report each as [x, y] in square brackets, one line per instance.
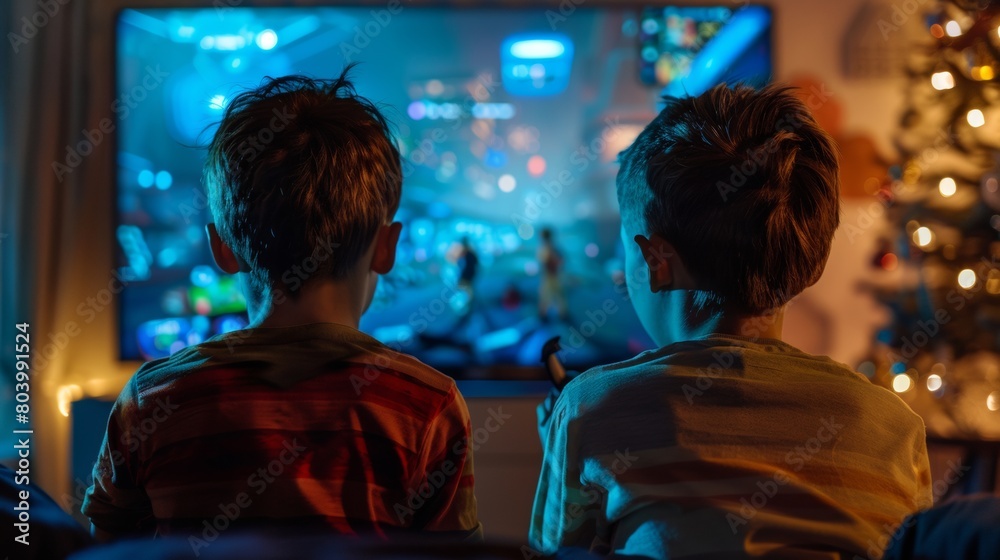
[509, 122]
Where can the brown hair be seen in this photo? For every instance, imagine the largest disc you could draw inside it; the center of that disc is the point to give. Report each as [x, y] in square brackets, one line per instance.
[298, 164]
[745, 185]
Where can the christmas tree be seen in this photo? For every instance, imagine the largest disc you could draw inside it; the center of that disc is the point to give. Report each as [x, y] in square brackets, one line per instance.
[941, 352]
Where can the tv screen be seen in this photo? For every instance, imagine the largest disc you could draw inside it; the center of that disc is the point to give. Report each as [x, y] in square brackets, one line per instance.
[508, 121]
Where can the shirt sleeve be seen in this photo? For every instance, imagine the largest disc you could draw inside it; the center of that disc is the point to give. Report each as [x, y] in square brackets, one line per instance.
[116, 502]
[922, 472]
[544, 413]
[443, 491]
[565, 513]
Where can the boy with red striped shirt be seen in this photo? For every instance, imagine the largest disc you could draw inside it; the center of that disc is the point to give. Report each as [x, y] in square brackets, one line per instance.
[726, 442]
[301, 420]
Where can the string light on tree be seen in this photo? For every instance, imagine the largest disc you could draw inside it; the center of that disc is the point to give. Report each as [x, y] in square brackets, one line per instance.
[936, 234]
[967, 278]
[923, 236]
[901, 383]
[947, 187]
[934, 382]
[942, 80]
[889, 261]
[993, 282]
[976, 118]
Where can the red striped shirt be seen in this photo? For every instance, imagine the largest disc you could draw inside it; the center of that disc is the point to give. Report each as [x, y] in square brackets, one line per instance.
[310, 425]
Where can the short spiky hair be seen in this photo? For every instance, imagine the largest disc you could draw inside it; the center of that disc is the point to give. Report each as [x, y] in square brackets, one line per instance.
[300, 164]
[745, 185]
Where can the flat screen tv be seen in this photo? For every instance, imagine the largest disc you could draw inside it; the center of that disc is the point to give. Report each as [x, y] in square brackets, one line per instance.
[509, 122]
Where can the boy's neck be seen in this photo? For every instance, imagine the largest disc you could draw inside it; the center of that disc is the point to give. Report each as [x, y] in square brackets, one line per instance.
[767, 325]
[342, 303]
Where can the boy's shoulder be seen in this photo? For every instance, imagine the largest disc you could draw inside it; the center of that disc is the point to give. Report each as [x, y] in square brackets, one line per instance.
[162, 370]
[699, 382]
[383, 359]
[715, 354]
[671, 359]
[631, 374]
[697, 364]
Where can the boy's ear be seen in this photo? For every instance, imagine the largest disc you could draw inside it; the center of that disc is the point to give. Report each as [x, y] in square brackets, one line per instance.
[223, 255]
[660, 258]
[385, 248]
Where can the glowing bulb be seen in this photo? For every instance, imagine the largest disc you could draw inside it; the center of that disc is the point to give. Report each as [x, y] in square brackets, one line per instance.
[967, 278]
[993, 282]
[976, 118]
[901, 383]
[163, 180]
[993, 401]
[953, 29]
[922, 236]
[536, 165]
[942, 80]
[146, 178]
[985, 72]
[934, 382]
[266, 39]
[947, 186]
[889, 261]
[507, 183]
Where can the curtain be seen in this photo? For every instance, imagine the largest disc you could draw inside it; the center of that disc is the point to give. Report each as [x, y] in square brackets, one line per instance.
[44, 65]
